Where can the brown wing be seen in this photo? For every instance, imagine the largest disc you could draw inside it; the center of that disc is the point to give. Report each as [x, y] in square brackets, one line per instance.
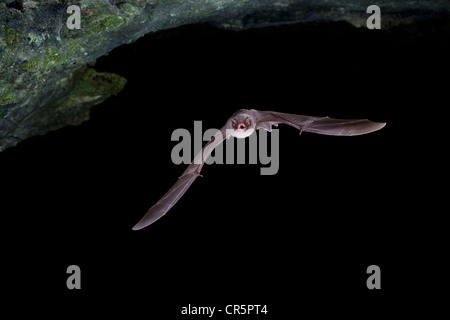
[183, 183]
[321, 125]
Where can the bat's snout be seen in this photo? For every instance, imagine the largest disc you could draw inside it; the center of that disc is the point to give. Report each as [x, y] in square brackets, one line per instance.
[241, 126]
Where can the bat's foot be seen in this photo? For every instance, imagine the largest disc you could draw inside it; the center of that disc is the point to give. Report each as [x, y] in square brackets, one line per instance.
[197, 173]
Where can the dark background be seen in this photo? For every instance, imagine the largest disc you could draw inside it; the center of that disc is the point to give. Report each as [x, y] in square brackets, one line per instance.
[298, 241]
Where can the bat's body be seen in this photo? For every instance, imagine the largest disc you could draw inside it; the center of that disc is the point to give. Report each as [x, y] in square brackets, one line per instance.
[241, 125]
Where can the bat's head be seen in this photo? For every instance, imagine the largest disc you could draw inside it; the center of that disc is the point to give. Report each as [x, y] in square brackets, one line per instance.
[243, 124]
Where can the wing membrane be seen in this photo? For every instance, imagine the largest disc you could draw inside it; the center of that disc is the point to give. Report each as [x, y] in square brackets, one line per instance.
[320, 125]
[183, 183]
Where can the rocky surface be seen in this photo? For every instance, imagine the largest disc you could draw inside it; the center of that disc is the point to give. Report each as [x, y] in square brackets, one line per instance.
[45, 81]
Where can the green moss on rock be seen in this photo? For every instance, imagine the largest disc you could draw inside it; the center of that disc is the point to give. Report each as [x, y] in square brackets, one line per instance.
[76, 95]
[7, 97]
[41, 60]
[12, 37]
[90, 86]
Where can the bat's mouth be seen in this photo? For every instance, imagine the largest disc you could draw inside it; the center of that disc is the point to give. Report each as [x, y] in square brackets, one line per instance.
[241, 126]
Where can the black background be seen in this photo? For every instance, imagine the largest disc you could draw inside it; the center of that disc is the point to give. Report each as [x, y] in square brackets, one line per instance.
[298, 241]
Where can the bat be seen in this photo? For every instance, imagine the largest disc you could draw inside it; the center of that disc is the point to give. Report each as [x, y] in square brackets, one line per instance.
[241, 125]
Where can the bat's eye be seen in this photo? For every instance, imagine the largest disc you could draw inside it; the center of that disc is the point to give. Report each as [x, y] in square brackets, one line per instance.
[247, 122]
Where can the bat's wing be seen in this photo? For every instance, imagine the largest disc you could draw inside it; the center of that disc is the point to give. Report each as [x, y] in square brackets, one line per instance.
[321, 125]
[183, 183]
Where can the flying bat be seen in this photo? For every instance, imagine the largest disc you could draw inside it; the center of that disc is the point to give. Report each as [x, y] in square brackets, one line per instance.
[241, 125]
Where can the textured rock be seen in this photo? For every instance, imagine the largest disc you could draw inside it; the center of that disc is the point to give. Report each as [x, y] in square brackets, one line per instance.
[44, 82]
